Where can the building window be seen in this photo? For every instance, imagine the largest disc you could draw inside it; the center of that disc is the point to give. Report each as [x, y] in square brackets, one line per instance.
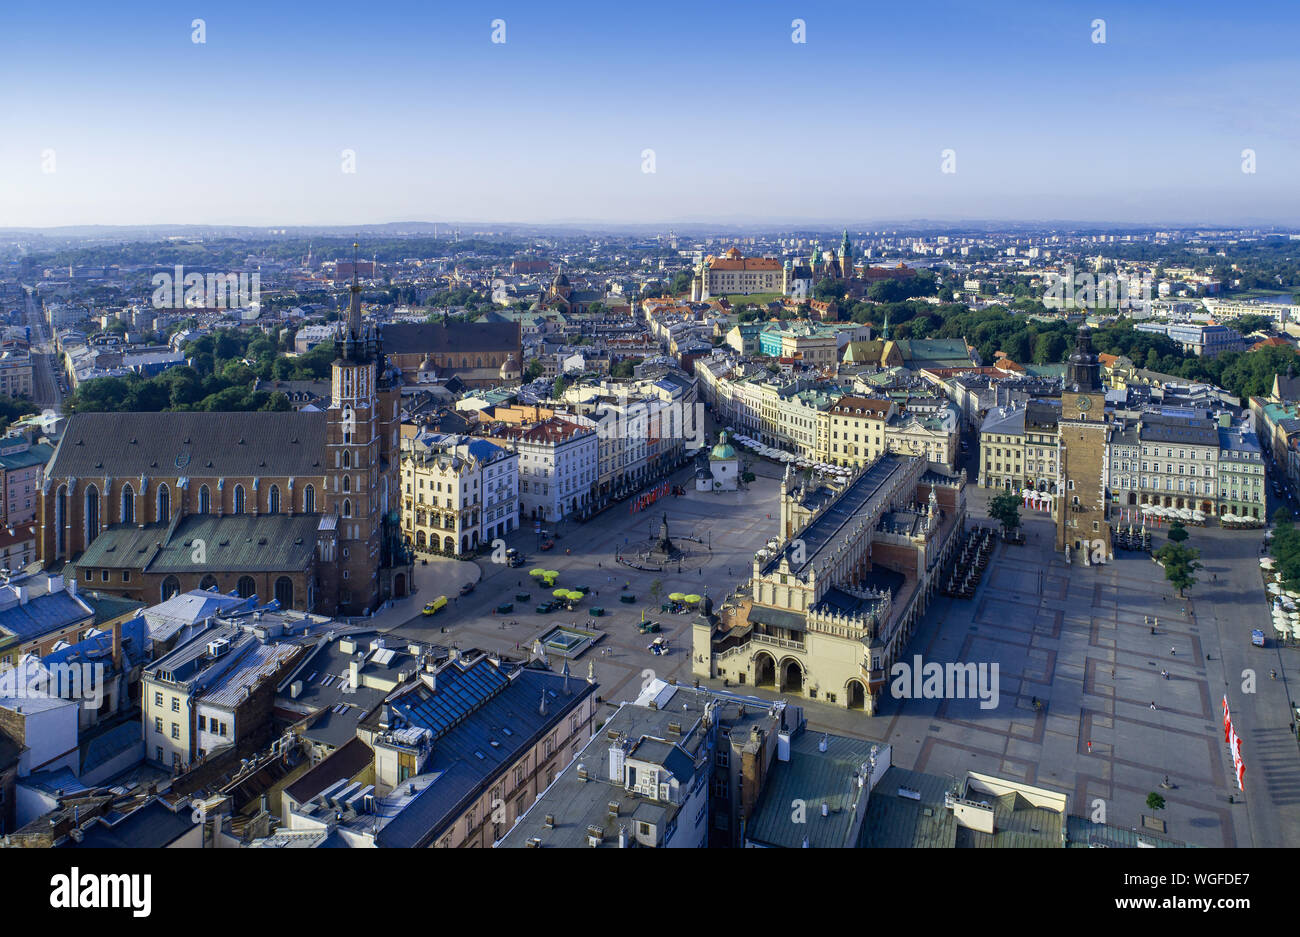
[239, 499]
[309, 500]
[205, 500]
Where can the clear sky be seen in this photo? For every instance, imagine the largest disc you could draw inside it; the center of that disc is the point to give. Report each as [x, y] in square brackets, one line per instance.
[146, 126]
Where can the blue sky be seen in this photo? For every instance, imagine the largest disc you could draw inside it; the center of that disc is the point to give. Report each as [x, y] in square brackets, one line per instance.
[248, 128]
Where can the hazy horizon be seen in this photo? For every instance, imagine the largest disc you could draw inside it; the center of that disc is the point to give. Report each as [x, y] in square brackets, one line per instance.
[118, 118]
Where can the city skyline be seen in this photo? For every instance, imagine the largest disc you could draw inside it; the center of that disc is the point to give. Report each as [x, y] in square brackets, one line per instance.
[126, 120]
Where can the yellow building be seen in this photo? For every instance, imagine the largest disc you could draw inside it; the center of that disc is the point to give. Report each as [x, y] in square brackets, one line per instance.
[857, 428]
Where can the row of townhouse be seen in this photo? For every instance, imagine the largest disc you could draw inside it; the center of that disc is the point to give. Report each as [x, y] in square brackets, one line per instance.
[1174, 458]
[824, 422]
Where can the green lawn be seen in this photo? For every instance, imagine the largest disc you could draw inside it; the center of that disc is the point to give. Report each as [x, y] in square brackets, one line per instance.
[758, 299]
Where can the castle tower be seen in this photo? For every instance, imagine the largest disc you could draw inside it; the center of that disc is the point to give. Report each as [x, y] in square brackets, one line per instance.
[1082, 499]
[846, 257]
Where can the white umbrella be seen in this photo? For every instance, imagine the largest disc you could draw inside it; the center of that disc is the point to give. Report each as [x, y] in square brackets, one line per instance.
[1281, 627]
[1266, 562]
[1274, 588]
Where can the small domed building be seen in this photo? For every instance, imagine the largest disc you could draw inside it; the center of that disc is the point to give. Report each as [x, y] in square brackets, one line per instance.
[724, 468]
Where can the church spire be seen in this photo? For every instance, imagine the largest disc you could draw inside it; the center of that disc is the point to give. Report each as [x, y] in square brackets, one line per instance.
[354, 306]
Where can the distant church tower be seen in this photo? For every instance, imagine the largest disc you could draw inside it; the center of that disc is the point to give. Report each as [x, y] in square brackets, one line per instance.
[1082, 506]
[362, 466]
[846, 257]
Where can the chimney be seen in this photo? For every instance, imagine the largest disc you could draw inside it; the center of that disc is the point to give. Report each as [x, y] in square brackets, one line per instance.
[117, 643]
[54, 583]
[354, 674]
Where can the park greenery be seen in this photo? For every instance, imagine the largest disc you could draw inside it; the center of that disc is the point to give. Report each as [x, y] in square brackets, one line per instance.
[14, 408]
[1285, 548]
[219, 376]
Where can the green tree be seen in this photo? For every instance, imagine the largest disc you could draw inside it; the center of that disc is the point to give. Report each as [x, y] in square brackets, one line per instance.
[1180, 563]
[534, 370]
[1155, 802]
[1005, 508]
[1177, 532]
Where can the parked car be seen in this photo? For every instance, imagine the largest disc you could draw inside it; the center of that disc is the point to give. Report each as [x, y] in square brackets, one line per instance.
[505, 607]
[516, 561]
[467, 588]
[548, 544]
[523, 596]
[1257, 638]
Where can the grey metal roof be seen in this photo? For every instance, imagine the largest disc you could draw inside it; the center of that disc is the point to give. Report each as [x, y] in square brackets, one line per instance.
[233, 543]
[43, 614]
[196, 445]
[152, 826]
[821, 531]
[907, 811]
[465, 758]
[407, 338]
[814, 777]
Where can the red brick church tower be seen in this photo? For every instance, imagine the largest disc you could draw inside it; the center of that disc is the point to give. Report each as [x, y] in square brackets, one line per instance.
[362, 469]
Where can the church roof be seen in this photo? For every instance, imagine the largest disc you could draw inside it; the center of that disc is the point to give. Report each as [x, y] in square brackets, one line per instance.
[233, 543]
[422, 338]
[118, 445]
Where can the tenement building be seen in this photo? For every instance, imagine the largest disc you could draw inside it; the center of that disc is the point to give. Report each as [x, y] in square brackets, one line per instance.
[835, 598]
[116, 475]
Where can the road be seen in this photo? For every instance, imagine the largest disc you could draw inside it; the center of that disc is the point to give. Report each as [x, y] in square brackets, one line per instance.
[45, 384]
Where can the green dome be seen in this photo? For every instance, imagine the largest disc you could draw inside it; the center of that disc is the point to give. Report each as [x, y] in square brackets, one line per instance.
[723, 449]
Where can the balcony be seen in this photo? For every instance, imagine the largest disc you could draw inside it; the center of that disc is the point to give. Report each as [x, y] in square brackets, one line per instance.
[787, 643]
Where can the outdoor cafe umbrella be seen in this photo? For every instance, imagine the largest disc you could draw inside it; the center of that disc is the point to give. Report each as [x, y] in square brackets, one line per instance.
[560, 593]
[677, 596]
[692, 599]
[537, 572]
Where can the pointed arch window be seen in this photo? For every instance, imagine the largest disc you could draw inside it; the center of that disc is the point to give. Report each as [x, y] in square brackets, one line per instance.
[164, 503]
[239, 499]
[92, 513]
[309, 500]
[205, 500]
[128, 504]
[273, 499]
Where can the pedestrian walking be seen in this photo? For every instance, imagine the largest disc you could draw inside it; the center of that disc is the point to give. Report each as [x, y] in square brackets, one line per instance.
[1173, 651]
[1089, 746]
[1153, 704]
